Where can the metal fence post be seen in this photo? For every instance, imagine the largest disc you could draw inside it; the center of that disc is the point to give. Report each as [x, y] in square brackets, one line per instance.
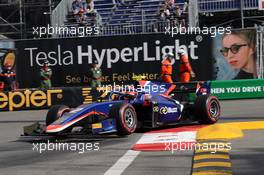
[242, 13]
[259, 52]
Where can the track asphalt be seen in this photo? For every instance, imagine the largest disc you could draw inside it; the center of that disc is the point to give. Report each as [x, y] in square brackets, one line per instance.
[115, 156]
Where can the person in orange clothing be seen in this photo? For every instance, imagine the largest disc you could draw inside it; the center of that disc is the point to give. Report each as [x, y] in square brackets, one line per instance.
[166, 68]
[8, 77]
[186, 71]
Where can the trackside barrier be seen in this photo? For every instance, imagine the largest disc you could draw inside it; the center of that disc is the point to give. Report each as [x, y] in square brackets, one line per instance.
[238, 89]
[25, 99]
[28, 99]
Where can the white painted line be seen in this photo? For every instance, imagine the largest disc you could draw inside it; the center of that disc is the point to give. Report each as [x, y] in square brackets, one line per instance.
[120, 166]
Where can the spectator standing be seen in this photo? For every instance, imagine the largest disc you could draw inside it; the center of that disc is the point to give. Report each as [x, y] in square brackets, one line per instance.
[180, 21]
[45, 76]
[166, 68]
[92, 17]
[96, 75]
[167, 11]
[169, 2]
[186, 71]
[89, 6]
[79, 8]
[8, 77]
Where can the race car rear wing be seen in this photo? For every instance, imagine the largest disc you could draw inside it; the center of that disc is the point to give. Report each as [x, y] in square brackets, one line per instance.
[200, 88]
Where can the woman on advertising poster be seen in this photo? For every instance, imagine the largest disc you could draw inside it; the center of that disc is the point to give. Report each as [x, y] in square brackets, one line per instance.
[238, 47]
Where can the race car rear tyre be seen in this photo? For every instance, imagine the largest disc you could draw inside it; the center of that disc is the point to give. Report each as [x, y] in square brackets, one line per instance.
[207, 109]
[55, 112]
[126, 118]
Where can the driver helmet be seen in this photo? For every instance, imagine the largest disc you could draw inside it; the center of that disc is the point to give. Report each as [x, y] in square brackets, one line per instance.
[115, 96]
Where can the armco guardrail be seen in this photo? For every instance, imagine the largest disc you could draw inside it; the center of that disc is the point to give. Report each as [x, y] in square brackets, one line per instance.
[238, 89]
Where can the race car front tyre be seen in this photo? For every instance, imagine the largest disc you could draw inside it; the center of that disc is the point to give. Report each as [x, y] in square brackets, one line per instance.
[126, 118]
[207, 109]
[55, 112]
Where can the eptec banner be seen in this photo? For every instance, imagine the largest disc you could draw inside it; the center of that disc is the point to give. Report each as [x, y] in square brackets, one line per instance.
[42, 99]
[120, 57]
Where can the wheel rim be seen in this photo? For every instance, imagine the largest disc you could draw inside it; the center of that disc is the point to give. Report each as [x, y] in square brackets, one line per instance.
[129, 117]
[214, 109]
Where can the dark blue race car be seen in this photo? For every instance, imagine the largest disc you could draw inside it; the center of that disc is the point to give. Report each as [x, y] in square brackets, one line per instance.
[150, 104]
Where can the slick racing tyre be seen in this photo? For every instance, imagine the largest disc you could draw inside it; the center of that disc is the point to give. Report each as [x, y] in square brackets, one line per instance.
[126, 118]
[55, 112]
[207, 109]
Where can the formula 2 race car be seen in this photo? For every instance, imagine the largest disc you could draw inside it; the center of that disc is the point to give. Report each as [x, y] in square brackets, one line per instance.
[151, 104]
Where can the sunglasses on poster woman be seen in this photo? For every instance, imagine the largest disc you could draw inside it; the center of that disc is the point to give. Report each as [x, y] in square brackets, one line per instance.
[234, 49]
